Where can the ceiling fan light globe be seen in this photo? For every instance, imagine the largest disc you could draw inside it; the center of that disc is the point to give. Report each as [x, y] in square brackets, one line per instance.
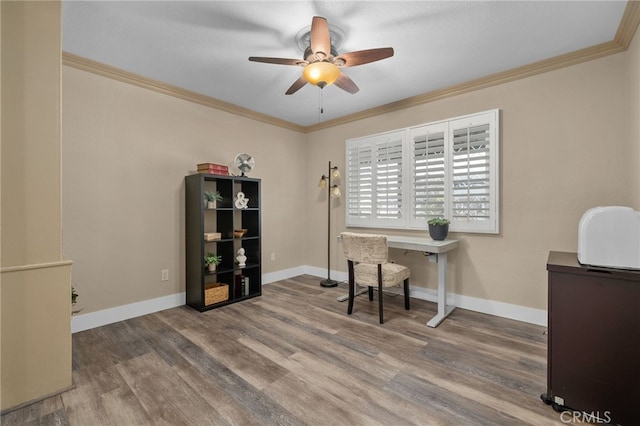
[321, 74]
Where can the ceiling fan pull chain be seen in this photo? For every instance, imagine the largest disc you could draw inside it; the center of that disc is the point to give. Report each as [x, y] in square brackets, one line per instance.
[321, 103]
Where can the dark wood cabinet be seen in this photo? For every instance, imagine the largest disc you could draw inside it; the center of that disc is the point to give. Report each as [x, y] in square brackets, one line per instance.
[230, 282]
[594, 340]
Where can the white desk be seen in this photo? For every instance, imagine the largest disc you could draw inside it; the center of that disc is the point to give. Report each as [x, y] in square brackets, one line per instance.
[434, 249]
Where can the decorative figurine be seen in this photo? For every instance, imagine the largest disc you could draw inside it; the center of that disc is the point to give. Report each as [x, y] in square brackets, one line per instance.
[241, 258]
[241, 201]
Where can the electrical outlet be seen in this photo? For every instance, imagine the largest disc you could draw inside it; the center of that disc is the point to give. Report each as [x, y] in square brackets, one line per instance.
[273, 256]
[165, 275]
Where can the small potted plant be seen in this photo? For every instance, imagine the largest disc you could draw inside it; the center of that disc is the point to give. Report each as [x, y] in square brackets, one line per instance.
[438, 228]
[211, 197]
[211, 260]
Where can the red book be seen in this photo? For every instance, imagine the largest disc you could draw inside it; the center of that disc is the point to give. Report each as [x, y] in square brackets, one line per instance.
[213, 169]
[214, 166]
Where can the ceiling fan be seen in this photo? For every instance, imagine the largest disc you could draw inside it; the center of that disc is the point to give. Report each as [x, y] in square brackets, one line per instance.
[322, 63]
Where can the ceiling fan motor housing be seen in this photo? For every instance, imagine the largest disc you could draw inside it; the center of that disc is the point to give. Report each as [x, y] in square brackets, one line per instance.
[311, 57]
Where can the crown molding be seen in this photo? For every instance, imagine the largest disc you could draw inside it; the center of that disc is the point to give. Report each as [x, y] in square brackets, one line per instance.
[114, 73]
[624, 35]
[535, 68]
[628, 24]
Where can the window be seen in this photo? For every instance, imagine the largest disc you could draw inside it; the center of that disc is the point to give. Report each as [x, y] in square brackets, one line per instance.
[375, 180]
[445, 169]
[428, 173]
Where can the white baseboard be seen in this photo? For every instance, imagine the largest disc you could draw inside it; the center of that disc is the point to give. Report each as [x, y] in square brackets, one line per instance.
[272, 277]
[124, 312]
[491, 307]
[322, 273]
[121, 313]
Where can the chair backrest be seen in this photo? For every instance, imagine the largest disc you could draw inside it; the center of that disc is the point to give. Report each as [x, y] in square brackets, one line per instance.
[365, 248]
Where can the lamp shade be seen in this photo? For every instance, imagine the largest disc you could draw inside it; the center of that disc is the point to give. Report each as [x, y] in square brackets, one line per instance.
[321, 73]
[335, 191]
[335, 173]
[323, 182]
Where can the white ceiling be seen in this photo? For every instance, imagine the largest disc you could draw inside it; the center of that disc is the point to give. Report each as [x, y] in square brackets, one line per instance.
[203, 46]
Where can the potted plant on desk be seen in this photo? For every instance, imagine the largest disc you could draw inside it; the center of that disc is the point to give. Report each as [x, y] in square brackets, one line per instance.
[438, 228]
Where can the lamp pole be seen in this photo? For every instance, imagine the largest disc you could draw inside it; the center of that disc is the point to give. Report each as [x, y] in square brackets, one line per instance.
[331, 191]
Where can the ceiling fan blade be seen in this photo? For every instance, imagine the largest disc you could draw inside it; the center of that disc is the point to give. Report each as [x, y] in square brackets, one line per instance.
[279, 61]
[296, 86]
[360, 57]
[320, 38]
[346, 84]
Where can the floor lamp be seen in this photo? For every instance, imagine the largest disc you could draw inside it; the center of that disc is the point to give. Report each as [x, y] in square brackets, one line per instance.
[332, 192]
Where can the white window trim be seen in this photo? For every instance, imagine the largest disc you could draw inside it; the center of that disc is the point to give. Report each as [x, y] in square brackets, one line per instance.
[407, 219]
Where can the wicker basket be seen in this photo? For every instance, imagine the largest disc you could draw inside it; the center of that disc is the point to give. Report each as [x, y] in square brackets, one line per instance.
[216, 293]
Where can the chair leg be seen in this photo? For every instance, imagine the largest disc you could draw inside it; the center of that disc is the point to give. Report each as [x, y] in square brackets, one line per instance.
[406, 294]
[370, 294]
[351, 288]
[380, 293]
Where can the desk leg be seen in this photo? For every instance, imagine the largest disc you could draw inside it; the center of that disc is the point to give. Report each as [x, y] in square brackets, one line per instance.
[443, 309]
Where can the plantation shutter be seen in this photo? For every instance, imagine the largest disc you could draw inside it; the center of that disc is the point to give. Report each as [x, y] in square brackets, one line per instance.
[448, 169]
[359, 185]
[375, 180]
[428, 173]
[388, 178]
[472, 175]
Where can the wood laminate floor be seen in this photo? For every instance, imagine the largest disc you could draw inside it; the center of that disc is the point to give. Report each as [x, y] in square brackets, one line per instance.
[294, 357]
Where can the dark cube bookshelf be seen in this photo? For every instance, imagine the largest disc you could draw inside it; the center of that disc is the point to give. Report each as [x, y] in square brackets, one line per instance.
[206, 290]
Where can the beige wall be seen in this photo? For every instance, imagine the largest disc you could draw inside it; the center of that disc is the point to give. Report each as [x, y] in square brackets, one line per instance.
[565, 139]
[566, 136]
[633, 58]
[126, 150]
[36, 304]
[125, 153]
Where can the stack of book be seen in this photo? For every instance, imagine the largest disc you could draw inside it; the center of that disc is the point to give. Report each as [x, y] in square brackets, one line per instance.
[242, 286]
[213, 169]
[212, 236]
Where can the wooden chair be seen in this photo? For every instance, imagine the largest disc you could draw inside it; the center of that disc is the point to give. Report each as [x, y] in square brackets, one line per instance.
[367, 262]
